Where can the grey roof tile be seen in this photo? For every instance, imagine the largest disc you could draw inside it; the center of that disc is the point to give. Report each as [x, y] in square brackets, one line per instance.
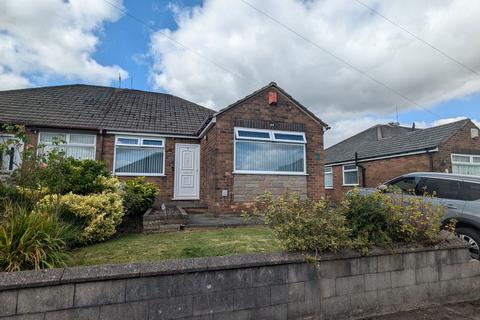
[96, 107]
[367, 145]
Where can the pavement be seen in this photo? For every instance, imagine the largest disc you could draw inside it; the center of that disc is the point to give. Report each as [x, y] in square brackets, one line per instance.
[456, 311]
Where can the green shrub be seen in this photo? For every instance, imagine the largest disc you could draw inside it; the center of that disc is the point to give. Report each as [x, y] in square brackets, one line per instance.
[388, 219]
[32, 241]
[305, 225]
[138, 196]
[95, 215]
[369, 218]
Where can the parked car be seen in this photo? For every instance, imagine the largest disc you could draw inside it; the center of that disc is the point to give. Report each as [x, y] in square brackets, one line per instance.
[460, 194]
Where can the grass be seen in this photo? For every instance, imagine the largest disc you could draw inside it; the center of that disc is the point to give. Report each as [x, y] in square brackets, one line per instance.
[177, 245]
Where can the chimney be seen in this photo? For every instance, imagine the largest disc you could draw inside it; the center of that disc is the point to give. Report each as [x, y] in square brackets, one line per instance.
[272, 98]
[413, 126]
[379, 133]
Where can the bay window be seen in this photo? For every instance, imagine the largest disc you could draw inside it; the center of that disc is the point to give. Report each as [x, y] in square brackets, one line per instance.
[269, 152]
[76, 145]
[139, 156]
[350, 175]
[466, 164]
[328, 177]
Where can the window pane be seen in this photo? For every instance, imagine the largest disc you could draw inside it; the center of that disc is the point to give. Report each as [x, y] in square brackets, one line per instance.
[445, 189]
[81, 153]
[328, 180]
[82, 139]
[350, 167]
[157, 143]
[49, 137]
[269, 156]
[406, 185]
[11, 158]
[350, 177]
[328, 169]
[471, 170]
[461, 159]
[253, 134]
[139, 160]
[289, 136]
[127, 141]
[471, 191]
[476, 159]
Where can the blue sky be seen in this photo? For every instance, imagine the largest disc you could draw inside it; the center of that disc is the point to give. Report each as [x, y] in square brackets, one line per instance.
[50, 42]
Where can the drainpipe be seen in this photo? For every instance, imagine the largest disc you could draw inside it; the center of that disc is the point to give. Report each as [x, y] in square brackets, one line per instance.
[430, 158]
[364, 170]
[102, 133]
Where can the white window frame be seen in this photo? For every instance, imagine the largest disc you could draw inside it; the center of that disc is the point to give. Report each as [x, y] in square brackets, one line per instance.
[350, 170]
[8, 171]
[328, 173]
[470, 156]
[67, 140]
[140, 140]
[270, 139]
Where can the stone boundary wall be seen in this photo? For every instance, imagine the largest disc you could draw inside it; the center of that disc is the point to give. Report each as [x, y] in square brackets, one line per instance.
[262, 286]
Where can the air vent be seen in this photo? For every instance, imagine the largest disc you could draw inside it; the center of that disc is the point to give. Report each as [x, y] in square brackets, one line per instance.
[474, 133]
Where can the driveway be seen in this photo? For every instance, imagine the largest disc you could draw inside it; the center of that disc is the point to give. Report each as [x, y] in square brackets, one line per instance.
[456, 311]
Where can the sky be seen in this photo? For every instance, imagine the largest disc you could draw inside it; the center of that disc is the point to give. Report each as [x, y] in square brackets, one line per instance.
[415, 61]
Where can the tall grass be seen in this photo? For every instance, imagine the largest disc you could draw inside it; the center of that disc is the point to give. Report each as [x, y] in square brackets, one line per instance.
[31, 240]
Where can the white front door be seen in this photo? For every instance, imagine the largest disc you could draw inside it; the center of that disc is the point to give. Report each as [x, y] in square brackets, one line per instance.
[187, 171]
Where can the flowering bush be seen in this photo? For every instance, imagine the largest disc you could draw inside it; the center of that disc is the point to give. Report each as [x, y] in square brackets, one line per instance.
[95, 215]
[305, 225]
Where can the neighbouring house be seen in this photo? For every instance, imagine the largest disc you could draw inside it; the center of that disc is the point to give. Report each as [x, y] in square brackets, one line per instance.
[383, 152]
[223, 160]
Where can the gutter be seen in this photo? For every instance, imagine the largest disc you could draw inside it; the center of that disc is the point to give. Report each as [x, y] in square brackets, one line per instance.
[396, 155]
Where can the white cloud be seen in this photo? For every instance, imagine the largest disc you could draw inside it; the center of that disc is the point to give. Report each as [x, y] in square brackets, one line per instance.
[53, 38]
[247, 43]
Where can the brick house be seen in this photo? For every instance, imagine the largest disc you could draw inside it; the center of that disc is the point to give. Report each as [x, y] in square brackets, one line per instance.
[383, 152]
[266, 141]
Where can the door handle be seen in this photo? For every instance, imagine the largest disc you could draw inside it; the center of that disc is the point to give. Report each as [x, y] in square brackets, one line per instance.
[451, 206]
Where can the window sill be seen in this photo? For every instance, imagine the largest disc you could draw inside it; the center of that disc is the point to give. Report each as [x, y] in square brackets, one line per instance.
[271, 173]
[328, 188]
[138, 175]
[350, 185]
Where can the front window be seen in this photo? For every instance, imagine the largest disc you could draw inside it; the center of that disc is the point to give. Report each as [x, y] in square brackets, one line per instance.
[139, 156]
[269, 152]
[466, 164]
[77, 145]
[9, 155]
[350, 175]
[328, 177]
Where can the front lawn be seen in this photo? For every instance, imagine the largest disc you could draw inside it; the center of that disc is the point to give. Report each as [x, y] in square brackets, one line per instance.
[177, 245]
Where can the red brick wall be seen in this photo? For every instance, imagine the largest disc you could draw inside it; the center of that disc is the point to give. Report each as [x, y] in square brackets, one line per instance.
[164, 183]
[218, 148]
[380, 171]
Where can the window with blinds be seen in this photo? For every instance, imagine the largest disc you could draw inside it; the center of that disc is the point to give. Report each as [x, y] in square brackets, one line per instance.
[269, 152]
[76, 145]
[139, 156]
[10, 156]
[466, 164]
[328, 177]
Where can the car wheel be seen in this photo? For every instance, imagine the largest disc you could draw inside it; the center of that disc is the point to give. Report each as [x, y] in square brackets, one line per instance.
[473, 238]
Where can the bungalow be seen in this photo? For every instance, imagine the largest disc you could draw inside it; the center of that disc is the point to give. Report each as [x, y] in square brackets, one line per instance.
[383, 152]
[223, 160]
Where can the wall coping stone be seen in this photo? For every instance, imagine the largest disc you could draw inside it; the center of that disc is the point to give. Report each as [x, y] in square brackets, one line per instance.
[47, 277]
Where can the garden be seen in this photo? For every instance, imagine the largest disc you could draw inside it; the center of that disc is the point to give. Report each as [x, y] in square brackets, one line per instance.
[56, 211]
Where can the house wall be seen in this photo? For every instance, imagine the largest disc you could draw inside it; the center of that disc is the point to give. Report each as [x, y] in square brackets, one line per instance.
[218, 151]
[379, 171]
[165, 183]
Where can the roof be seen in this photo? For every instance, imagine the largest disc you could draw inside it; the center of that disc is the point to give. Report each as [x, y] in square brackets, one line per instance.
[398, 142]
[94, 107]
[274, 85]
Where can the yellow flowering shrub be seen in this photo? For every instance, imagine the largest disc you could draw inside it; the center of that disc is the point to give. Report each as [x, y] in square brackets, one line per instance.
[96, 215]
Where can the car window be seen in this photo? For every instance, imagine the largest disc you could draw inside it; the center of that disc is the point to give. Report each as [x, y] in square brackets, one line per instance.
[407, 185]
[441, 188]
[471, 191]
